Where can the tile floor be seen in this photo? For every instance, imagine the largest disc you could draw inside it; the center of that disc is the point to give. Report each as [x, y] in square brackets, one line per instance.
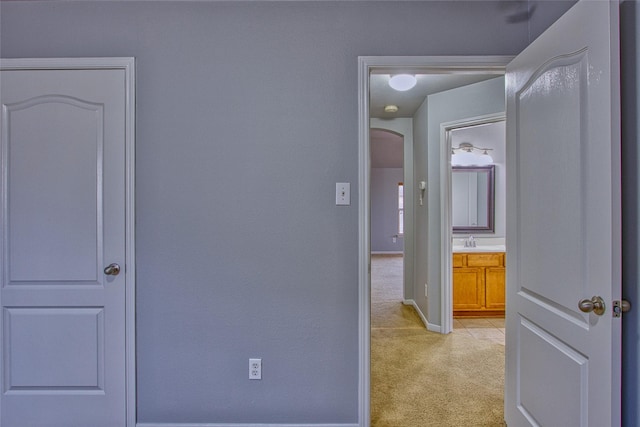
[487, 329]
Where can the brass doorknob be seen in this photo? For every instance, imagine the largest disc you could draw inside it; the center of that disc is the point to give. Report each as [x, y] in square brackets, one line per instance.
[112, 269]
[595, 304]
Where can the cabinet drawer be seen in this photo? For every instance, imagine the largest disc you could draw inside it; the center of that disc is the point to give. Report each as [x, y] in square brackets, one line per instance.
[485, 260]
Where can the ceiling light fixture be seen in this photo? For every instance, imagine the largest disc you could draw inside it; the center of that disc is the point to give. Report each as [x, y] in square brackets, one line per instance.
[390, 108]
[465, 156]
[402, 82]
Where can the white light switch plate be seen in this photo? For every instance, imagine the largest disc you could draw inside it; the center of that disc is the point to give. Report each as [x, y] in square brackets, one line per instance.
[343, 193]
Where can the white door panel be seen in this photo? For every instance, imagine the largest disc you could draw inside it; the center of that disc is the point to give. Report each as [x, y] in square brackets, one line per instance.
[63, 222]
[39, 211]
[563, 232]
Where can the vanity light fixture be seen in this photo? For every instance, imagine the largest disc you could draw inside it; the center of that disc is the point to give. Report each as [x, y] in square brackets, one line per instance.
[390, 108]
[464, 155]
[402, 82]
[485, 159]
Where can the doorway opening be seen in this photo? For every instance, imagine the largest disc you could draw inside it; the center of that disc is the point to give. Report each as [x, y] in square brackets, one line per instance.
[391, 203]
[474, 222]
[422, 185]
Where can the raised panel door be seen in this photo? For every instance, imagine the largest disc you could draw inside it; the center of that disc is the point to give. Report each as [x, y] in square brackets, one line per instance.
[495, 288]
[468, 288]
[63, 222]
[563, 223]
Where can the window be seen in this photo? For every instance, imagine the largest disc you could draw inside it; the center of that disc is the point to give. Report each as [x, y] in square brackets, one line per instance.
[400, 209]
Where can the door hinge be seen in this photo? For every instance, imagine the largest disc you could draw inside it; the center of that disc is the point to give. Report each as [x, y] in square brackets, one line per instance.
[620, 307]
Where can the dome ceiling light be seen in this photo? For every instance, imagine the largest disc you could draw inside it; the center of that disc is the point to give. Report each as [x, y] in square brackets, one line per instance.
[390, 108]
[402, 82]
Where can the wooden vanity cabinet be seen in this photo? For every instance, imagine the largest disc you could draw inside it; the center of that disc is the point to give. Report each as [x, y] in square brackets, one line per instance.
[478, 284]
[495, 288]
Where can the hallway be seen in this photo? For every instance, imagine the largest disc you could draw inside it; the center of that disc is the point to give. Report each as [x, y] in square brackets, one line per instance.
[422, 378]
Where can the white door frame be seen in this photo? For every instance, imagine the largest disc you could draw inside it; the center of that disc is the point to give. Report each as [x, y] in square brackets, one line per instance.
[446, 294]
[425, 64]
[128, 66]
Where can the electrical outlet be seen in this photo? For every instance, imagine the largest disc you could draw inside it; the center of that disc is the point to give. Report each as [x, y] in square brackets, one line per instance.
[255, 369]
[426, 290]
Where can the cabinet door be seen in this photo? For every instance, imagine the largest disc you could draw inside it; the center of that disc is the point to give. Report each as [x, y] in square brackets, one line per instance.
[468, 288]
[494, 287]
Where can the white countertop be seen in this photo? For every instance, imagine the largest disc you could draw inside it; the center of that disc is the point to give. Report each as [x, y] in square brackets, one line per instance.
[480, 248]
[483, 244]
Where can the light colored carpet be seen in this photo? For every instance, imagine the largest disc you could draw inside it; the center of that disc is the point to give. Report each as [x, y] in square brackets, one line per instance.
[421, 378]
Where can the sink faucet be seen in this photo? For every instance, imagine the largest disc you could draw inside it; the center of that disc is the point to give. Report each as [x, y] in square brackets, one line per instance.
[470, 242]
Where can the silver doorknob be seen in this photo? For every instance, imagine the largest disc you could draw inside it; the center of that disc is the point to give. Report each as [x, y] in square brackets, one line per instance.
[112, 269]
[595, 304]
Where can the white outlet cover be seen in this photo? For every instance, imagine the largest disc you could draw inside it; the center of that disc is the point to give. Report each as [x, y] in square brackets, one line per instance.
[255, 369]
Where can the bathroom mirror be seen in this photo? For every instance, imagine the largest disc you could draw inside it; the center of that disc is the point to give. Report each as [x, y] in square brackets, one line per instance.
[472, 199]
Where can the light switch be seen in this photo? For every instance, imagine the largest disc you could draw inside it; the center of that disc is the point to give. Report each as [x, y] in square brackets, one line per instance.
[343, 193]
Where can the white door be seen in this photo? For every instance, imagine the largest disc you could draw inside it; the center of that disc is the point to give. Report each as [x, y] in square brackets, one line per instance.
[563, 227]
[63, 223]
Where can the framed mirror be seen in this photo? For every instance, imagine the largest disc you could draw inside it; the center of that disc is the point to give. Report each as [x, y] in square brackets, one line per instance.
[472, 199]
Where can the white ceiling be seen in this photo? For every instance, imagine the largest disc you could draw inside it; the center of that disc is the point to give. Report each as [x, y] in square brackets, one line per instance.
[408, 102]
[387, 147]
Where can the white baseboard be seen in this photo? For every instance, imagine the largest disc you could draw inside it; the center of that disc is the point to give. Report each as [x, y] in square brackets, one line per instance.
[434, 328]
[394, 253]
[430, 326]
[415, 306]
[239, 425]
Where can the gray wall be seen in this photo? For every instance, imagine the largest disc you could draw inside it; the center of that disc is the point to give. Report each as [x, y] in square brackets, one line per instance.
[422, 212]
[466, 102]
[544, 13]
[384, 209]
[246, 118]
